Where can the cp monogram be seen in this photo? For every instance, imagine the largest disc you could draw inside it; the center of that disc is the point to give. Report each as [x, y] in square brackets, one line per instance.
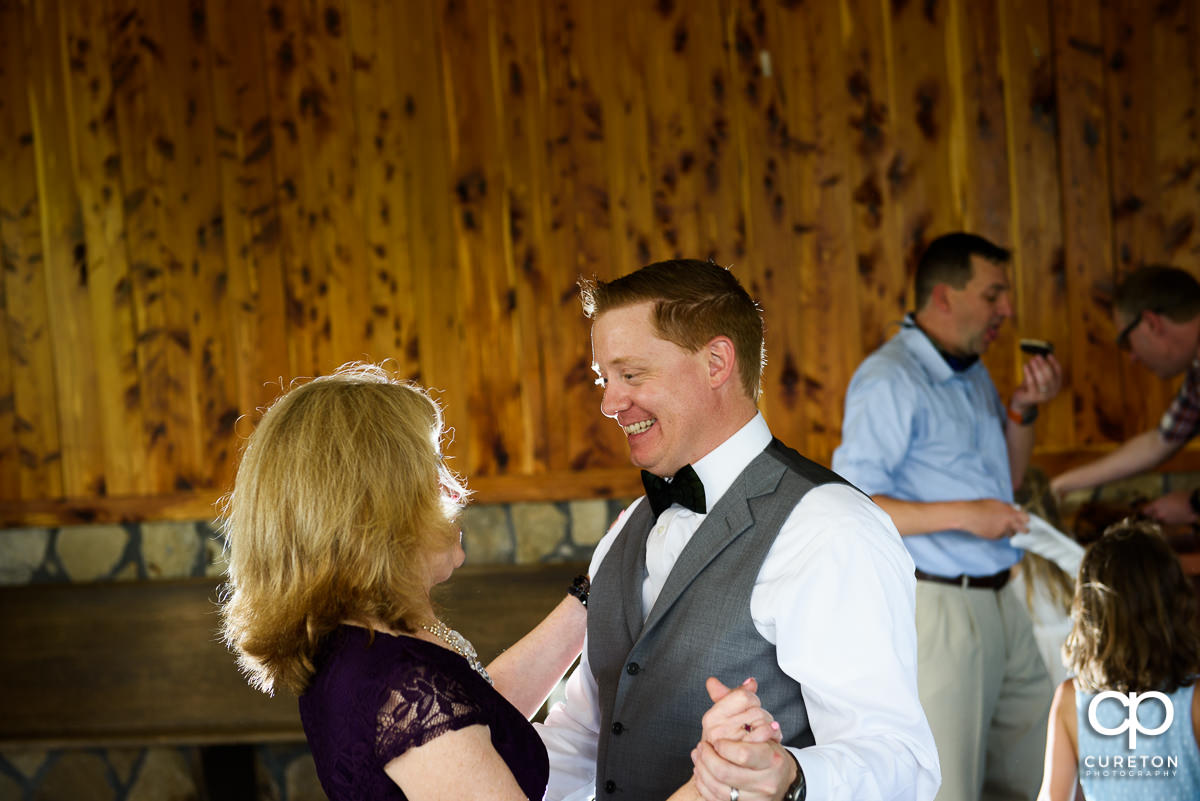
[1131, 723]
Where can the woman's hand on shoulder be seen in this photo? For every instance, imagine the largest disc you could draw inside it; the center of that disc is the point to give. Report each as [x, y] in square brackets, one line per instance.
[455, 765]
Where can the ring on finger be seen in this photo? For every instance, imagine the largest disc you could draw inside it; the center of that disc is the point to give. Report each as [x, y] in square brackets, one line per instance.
[733, 794]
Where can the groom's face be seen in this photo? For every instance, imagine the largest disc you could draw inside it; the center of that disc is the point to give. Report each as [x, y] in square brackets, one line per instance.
[657, 392]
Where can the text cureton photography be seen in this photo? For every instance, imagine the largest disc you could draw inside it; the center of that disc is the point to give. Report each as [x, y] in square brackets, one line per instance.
[1109, 720]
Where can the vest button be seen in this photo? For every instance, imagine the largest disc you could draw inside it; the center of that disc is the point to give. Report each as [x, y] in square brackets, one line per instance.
[618, 727]
[610, 786]
[632, 668]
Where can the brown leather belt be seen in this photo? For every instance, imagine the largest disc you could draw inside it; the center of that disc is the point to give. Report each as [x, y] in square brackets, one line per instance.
[993, 582]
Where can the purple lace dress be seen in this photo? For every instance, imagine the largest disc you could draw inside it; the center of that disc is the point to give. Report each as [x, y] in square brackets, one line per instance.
[368, 704]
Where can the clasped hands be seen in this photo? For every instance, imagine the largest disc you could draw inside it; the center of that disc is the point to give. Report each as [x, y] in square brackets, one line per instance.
[740, 748]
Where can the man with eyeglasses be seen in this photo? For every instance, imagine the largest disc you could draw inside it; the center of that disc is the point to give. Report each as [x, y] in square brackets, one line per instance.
[1157, 309]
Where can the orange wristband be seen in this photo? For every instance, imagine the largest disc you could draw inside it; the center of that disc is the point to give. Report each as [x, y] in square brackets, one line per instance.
[1025, 419]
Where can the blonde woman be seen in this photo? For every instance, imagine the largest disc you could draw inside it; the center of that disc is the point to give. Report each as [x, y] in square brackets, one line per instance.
[341, 521]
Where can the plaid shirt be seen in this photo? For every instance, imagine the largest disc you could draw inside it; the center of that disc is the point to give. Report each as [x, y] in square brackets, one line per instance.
[1181, 421]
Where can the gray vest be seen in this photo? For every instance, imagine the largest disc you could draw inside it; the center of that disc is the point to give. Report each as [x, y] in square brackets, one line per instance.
[651, 677]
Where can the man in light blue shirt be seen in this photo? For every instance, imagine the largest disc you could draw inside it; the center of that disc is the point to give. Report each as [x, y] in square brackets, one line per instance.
[926, 435]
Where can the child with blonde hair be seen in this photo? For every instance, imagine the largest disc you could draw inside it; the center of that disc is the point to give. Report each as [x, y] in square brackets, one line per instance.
[1127, 725]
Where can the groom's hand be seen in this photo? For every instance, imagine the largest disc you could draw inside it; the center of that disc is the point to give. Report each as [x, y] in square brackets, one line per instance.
[740, 747]
[760, 771]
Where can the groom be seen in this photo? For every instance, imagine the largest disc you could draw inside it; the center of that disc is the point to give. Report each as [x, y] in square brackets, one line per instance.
[745, 559]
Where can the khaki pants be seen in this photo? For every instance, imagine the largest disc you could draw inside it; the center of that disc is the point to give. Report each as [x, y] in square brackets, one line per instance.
[985, 691]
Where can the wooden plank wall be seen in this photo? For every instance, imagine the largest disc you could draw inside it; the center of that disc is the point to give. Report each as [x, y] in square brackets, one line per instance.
[202, 199]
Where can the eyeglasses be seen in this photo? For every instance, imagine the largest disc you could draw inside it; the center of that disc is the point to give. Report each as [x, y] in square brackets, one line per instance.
[1123, 337]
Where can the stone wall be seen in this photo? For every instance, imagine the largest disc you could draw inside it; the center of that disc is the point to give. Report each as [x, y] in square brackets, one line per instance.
[519, 533]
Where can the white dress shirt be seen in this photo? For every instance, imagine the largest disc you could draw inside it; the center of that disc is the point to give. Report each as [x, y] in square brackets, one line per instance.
[835, 595]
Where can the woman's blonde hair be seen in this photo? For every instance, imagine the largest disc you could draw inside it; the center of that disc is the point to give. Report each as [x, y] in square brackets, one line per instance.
[1134, 614]
[340, 499]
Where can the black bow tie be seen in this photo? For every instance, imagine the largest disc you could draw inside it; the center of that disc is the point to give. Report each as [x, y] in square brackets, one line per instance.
[686, 489]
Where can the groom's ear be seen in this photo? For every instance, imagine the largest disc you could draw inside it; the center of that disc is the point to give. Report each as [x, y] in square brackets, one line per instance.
[722, 360]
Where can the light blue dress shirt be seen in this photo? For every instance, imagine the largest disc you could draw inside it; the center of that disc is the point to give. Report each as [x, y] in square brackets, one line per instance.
[916, 430]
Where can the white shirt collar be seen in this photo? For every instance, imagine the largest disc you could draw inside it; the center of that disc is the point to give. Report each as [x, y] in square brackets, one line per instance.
[720, 466]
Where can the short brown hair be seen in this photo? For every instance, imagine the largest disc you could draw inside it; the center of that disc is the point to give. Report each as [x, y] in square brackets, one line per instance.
[1134, 614]
[947, 260]
[340, 497]
[1169, 291]
[694, 301]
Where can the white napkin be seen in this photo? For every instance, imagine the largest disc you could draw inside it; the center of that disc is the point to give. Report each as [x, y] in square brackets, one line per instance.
[1047, 541]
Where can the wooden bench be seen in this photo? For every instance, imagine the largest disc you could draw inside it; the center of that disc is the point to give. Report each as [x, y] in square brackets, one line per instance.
[111, 664]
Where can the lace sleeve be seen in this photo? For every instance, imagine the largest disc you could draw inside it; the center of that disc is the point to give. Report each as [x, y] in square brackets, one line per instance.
[422, 704]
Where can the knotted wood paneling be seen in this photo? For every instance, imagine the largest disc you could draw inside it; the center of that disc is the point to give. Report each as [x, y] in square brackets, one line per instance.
[204, 199]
